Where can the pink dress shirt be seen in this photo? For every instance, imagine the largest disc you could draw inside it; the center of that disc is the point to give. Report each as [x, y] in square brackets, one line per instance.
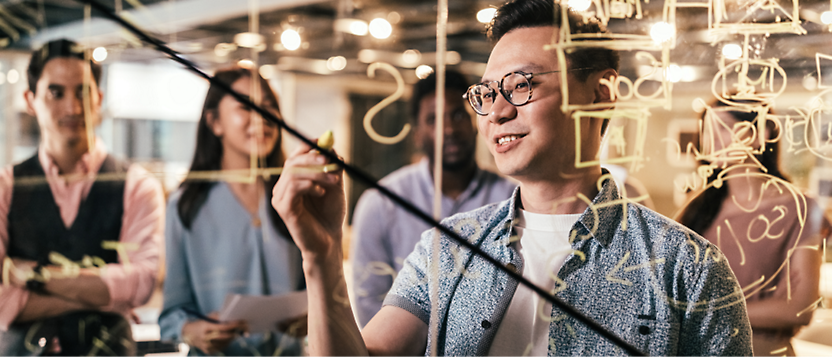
[142, 227]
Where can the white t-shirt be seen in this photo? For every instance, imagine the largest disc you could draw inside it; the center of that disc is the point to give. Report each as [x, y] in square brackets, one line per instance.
[544, 246]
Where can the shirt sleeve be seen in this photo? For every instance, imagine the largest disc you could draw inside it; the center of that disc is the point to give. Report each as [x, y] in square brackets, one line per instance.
[12, 299]
[410, 290]
[715, 319]
[131, 281]
[373, 269]
[177, 290]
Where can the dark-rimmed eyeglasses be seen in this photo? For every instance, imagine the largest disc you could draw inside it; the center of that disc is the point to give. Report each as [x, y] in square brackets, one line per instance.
[516, 88]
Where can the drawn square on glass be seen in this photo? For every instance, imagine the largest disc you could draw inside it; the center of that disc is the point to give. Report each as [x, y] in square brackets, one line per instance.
[634, 152]
[824, 62]
[755, 17]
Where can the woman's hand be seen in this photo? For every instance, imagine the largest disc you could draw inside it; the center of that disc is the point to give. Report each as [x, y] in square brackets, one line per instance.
[311, 203]
[211, 338]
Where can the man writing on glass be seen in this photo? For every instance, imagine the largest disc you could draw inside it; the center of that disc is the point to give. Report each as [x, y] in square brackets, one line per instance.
[638, 274]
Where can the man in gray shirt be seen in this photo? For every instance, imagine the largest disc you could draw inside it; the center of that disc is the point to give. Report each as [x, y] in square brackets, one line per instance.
[383, 233]
[644, 278]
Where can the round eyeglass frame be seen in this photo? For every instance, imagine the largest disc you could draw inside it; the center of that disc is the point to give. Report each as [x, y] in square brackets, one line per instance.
[528, 76]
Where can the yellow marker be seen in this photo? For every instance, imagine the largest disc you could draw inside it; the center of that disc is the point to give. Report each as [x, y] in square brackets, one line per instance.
[326, 140]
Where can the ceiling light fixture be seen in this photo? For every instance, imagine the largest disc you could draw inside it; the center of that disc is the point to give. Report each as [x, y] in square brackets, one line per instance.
[245, 63]
[380, 28]
[411, 57]
[336, 63]
[423, 71]
[13, 76]
[674, 73]
[359, 28]
[662, 32]
[290, 38]
[485, 15]
[354, 26]
[826, 17]
[223, 49]
[99, 54]
[732, 51]
[267, 71]
[579, 5]
[249, 39]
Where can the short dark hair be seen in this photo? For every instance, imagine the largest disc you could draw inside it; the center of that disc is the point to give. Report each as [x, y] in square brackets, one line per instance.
[536, 13]
[453, 80]
[62, 48]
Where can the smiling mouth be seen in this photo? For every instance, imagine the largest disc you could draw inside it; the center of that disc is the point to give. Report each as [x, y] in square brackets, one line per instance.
[507, 139]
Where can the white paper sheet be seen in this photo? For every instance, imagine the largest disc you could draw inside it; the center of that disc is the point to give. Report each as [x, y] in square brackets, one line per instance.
[263, 313]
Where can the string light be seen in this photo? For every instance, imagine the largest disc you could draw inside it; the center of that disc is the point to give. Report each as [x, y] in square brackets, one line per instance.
[485, 15]
[380, 28]
[290, 39]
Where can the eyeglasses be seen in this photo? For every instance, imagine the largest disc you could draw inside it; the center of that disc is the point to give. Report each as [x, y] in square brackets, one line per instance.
[516, 88]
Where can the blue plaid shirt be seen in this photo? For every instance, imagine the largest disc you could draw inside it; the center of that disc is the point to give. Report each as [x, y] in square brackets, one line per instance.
[654, 283]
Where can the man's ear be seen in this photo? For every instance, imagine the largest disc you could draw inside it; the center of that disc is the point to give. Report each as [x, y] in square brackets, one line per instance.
[30, 99]
[604, 82]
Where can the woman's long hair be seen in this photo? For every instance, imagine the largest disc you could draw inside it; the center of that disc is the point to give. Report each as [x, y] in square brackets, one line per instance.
[209, 153]
[701, 211]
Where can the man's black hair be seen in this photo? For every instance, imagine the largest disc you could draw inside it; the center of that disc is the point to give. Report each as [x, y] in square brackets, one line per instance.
[62, 48]
[453, 80]
[535, 13]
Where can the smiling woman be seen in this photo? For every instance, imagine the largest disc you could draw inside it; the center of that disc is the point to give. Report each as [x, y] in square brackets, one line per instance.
[223, 237]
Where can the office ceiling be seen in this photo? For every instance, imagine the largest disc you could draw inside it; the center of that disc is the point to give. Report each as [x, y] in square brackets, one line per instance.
[196, 28]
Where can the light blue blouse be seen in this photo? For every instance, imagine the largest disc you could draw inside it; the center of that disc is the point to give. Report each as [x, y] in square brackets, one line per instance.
[224, 253]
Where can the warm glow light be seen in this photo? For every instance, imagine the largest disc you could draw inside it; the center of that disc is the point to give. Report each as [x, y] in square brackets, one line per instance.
[689, 74]
[223, 49]
[826, 17]
[485, 15]
[358, 28]
[99, 54]
[267, 71]
[394, 17]
[13, 76]
[732, 51]
[452, 57]
[290, 39]
[245, 63]
[662, 32]
[367, 56]
[423, 71]
[579, 5]
[411, 57]
[248, 39]
[336, 63]
[380, 28]
[674, 73]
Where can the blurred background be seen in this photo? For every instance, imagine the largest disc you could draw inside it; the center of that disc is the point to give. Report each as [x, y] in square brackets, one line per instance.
[315, 54]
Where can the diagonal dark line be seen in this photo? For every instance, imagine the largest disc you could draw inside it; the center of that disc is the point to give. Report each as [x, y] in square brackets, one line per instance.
[369, 180]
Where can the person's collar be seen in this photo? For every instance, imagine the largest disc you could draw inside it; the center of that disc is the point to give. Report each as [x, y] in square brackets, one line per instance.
[600, 220]
[603, 216]
[90, 161]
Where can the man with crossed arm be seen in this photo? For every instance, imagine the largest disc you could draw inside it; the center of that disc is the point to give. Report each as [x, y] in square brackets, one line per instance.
[650, 281]
[110, 229]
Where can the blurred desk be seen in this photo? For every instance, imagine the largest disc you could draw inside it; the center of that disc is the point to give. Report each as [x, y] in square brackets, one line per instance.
[815, 339]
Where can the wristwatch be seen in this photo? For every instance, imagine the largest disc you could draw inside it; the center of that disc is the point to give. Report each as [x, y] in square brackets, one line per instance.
[36, 282]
